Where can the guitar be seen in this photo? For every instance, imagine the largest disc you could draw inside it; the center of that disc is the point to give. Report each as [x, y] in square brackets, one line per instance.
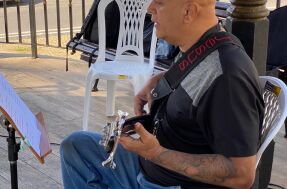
[122, 126]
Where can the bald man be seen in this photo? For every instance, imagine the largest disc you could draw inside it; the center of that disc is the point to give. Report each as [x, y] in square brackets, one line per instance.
[208, 127]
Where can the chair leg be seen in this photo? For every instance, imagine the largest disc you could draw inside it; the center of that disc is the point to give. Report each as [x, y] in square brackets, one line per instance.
[89, 83]
[111, 86]
[95, 87]
[138, 83]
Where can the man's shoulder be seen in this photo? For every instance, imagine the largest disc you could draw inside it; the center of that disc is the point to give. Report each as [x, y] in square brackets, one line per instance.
[234, 59]
[198, 81]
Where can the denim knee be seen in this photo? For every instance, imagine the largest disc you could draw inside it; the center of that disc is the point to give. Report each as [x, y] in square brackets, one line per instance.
[72, 141]
[67, 143]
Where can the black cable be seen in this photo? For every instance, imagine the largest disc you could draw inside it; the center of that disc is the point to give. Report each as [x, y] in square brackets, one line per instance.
[52, 143]
[55, 144]
[5, 136]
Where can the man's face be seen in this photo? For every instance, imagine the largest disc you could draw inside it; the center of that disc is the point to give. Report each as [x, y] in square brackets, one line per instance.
[167, 16]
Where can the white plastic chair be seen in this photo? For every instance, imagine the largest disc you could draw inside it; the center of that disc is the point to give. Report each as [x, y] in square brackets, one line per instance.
[270, 108]
[126, 66]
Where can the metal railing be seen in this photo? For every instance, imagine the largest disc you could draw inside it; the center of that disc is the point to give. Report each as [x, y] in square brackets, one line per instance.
[32, 21]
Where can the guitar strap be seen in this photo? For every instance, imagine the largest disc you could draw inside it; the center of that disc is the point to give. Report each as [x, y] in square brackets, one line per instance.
[178, 71]
[184, 65]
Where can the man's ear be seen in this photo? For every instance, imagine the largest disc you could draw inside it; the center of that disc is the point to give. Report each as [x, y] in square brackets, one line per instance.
[191, 11]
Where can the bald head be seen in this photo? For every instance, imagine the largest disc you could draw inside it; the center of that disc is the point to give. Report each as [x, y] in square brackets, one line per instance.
[182, 22]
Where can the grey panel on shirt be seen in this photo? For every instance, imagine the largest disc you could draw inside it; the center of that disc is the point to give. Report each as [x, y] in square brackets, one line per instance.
[197, 82]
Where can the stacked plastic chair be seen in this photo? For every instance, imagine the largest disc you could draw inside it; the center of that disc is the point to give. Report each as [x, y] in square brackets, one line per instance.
[129, 61]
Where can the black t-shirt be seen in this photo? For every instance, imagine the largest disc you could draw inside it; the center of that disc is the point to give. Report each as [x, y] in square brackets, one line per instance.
[217, 109]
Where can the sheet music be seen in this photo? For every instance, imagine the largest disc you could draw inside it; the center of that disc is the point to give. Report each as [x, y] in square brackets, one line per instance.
[24, 119]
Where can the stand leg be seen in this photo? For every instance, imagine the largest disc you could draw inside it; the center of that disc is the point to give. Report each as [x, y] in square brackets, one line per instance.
[13, 149]
[14, 175]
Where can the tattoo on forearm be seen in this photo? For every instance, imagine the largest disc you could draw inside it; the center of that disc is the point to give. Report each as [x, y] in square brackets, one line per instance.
[209, 168]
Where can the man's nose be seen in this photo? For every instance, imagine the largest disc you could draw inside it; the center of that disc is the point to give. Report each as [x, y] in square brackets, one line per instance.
[150, 9]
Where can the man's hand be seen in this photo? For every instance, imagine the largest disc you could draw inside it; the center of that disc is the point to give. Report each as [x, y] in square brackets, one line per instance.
[146, 146]
[144, 97]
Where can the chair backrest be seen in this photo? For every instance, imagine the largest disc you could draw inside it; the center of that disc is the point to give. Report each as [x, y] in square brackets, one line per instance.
[275, 113]
[132, 15]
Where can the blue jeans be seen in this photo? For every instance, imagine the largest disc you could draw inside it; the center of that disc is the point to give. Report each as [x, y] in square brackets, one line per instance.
[81, 162]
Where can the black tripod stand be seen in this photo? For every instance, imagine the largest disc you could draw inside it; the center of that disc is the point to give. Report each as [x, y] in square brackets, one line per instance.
[13, 149]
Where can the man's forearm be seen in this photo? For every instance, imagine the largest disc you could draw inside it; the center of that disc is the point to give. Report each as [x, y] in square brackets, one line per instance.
[208, 168]
[232, 172]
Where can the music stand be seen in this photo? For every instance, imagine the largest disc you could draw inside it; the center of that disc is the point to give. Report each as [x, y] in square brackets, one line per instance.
[13, 149]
